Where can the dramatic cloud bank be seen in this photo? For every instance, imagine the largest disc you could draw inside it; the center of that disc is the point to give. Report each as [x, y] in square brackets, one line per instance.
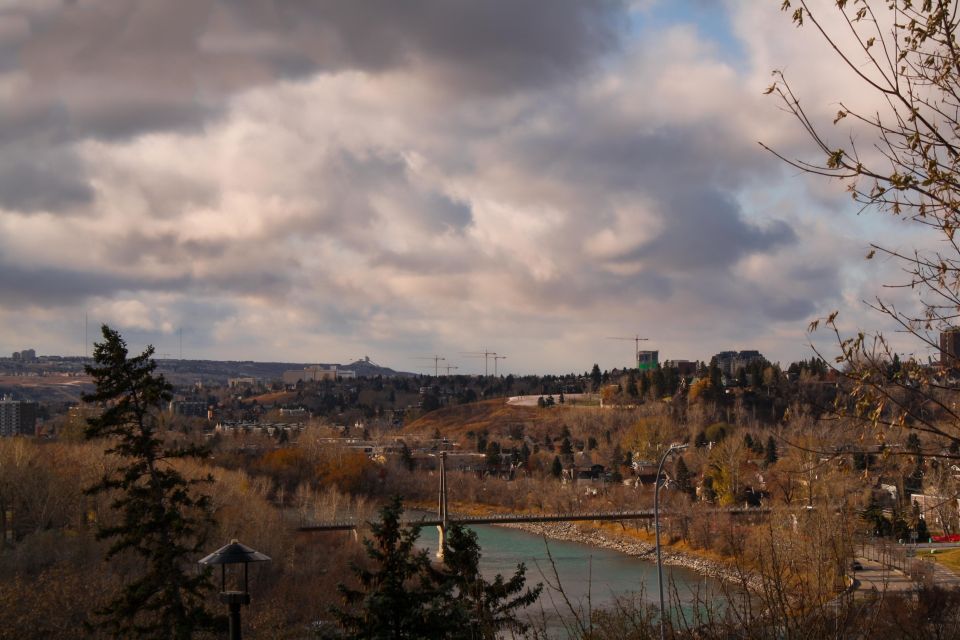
[316, 181]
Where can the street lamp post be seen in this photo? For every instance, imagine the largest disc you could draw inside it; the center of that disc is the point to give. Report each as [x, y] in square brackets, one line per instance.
[656, 525]
[234, 553]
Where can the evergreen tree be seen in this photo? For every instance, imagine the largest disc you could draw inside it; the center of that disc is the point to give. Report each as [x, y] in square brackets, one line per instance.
[556, 469]
[771, 452]
[701, 440]
[485, 608]
[708, 494]
[682, 476]
[658, 382]
[406, 457]
[401, 595]
[596, 378]
[873, 515]
[716, 378]
[632, 389]
[525, 453]
[493, 454]
[671, 380]
[162, 520]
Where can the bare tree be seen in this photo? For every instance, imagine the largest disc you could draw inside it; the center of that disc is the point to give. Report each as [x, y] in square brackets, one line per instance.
[903, 161]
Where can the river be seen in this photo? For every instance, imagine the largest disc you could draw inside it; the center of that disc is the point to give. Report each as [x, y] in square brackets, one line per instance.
[602, 575]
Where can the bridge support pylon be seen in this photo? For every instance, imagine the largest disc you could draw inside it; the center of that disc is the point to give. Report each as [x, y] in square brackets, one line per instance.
[442, 506]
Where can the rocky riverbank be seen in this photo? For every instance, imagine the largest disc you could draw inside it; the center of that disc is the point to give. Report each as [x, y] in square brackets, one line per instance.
[569, 532]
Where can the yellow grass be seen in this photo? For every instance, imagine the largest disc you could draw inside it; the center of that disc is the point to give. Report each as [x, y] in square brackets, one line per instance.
[950, 558]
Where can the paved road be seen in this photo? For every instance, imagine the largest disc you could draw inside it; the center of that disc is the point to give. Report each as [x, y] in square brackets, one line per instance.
[876, 577]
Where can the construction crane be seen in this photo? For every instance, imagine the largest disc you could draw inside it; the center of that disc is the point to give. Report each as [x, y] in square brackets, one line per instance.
[636, 340]
[436, 363]
[450, 368]
[495, 358]
[481, 354]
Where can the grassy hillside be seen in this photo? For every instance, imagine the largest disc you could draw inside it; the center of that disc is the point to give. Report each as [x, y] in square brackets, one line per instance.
[502, 421]
[494, 416]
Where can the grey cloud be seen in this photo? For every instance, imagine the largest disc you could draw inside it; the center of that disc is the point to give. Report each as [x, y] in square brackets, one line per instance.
[800, 292]
[122, 67]
[39, 178]
[704, 229]
[788, 309]
[351, 183]
[492, 45]
[112, 69]
[57, 287]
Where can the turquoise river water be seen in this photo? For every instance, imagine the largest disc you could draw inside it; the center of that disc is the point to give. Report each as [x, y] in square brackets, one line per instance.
[602, 575]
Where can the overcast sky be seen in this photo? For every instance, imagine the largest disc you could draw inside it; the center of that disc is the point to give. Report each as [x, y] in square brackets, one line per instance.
[318, 181]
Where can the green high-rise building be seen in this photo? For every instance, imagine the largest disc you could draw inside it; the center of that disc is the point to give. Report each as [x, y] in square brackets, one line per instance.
[647, 360]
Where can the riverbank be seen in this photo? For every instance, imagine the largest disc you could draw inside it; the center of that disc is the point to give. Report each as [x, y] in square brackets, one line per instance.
[606, 538]
[591, 536]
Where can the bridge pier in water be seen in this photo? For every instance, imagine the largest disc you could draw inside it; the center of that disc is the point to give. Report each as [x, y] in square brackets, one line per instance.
[442, 506]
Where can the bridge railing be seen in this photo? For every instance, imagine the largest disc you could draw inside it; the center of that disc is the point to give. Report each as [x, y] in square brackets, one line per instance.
[494, 518]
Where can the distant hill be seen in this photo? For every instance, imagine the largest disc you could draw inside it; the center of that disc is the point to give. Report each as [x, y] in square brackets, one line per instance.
[218, 371]
[14, 374]
[370, 369]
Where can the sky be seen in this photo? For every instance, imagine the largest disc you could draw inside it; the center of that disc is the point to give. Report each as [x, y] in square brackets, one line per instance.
[282, 180]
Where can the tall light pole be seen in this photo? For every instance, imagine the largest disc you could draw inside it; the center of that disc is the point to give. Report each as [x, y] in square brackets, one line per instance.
[656, 525]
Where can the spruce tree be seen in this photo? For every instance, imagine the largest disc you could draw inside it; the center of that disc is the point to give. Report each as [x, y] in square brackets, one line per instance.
[400, 595]
[486, 608]
[683, 477]
[162, 520]
[771, 452]
[556, 469]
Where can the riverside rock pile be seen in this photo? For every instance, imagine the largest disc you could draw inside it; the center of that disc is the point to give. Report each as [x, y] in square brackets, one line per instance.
[569, 532]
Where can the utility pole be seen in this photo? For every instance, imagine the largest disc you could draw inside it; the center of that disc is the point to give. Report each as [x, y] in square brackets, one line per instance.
[636, 339]
[495, 358]
[450, 368]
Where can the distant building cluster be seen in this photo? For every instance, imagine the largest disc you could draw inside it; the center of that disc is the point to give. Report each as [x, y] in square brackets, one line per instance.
[190, 408]
[316, 373]
[685, 368]
[730, 362]
[27, 355]
[950, 349]
[268, 428]
[17, 418]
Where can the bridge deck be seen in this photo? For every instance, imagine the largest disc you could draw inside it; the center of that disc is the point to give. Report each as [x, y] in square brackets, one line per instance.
[508, 518]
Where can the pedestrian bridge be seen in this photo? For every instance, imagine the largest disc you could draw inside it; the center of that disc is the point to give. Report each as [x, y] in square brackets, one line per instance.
[510, 518]
[444, 518]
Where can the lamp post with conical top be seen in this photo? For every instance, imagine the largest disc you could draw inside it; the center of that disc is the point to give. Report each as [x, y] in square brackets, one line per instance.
[234, 554]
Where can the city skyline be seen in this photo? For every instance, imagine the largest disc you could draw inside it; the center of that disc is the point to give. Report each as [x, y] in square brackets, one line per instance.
[317, 184]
